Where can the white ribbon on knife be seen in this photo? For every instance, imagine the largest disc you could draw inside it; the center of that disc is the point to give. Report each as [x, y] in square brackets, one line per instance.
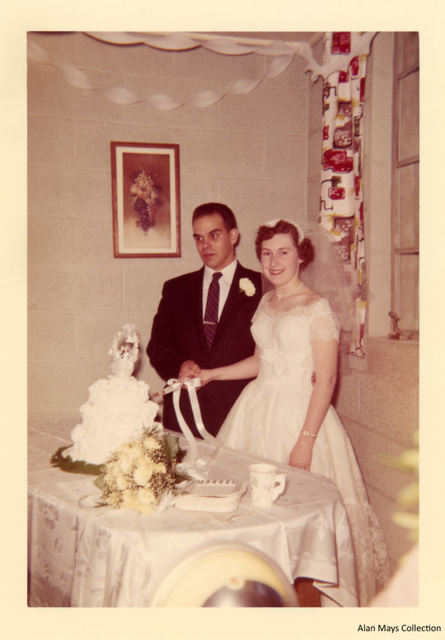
[191, 384]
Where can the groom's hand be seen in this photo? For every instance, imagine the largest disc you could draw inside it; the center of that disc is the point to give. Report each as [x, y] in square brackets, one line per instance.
[189, 369]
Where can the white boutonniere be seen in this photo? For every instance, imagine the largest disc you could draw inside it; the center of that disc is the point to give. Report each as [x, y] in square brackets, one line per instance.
[247, 287]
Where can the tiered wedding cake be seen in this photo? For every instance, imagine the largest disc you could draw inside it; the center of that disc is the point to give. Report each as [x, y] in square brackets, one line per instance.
[118, 409]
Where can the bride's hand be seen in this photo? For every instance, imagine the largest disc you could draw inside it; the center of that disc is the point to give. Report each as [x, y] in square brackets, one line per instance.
[301, 454]
[205, 377]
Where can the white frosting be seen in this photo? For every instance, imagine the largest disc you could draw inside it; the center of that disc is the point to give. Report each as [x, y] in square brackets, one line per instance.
[118, 410]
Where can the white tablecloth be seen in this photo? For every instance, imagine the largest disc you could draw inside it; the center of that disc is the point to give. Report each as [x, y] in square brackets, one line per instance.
[98, 557]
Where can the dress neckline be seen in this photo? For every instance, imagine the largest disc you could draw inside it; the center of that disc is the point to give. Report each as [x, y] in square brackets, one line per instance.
[297, 309]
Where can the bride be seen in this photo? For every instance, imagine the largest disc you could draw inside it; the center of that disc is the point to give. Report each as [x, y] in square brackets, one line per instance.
[285, 413]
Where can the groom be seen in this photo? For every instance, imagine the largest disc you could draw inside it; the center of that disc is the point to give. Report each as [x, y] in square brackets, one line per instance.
[204, 318]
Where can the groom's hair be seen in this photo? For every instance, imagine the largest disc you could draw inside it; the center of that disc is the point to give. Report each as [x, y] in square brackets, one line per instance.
[224, 211]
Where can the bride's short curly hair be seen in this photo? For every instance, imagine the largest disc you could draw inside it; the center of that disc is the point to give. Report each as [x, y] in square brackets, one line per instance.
[305, 248]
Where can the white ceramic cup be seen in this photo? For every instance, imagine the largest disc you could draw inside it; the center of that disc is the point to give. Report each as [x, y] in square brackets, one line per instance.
[265, 484]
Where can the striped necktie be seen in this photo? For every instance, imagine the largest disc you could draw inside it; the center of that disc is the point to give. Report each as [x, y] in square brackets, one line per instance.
[211, 314]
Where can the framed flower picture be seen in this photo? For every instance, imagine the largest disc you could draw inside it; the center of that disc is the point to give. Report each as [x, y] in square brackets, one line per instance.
[146, 200]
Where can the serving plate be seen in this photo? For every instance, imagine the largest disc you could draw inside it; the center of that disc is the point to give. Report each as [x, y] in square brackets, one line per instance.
[215, 495]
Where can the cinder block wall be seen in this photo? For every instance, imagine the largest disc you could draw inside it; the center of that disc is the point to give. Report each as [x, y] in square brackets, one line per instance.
[250, 152]
[378, 402]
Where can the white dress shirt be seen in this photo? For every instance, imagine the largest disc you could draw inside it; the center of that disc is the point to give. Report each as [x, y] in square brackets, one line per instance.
[224, 285]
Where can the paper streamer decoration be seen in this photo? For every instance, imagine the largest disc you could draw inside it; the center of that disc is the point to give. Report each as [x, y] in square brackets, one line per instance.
[280, 53]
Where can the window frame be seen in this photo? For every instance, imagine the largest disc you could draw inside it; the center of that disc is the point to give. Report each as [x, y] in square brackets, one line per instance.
[398, 249]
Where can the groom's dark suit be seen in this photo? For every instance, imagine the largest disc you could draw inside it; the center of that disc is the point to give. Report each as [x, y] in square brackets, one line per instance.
[177, 335]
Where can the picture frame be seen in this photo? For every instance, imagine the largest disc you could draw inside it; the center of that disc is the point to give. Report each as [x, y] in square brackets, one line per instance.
[146, 200]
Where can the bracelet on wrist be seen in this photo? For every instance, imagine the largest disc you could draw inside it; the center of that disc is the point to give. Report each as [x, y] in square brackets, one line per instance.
[308, 433]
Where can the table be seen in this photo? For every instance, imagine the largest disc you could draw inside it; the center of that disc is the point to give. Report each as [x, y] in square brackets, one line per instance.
[81, 556]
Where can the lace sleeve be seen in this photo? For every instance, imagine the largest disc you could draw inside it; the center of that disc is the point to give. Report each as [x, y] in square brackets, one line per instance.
[325, 324]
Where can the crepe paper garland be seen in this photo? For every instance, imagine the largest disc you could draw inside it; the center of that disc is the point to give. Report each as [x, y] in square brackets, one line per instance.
[244, 86]
[206, 98]
[281, 53]
[277, 66]
[163, 102]
[121, 96]
[76, 77]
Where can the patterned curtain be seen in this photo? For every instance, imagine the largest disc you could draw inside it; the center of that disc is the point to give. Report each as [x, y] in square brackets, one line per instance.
[341, 196]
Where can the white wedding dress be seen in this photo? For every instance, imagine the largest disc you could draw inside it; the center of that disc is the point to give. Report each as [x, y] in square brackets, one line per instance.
[269, 414]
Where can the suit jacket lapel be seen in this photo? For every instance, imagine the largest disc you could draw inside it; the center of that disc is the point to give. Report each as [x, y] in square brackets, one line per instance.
[196, 303]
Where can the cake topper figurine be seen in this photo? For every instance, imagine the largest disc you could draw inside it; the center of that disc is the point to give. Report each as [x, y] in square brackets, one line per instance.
[124, 351]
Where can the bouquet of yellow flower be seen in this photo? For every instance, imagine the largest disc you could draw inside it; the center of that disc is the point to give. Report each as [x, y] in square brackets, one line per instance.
[141, 473]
